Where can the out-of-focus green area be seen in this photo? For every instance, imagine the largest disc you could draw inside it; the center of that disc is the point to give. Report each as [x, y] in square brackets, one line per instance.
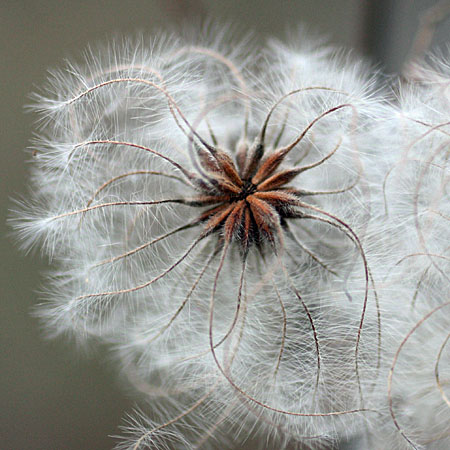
[52, 396]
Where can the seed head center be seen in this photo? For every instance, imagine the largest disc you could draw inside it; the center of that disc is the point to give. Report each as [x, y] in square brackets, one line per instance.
[247, 189]
[252, 201]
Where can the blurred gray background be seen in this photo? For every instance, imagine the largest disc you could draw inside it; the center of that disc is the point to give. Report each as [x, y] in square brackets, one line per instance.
[51, 396]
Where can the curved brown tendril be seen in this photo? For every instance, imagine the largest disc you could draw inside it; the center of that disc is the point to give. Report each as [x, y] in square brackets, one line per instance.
[186, 299]
[313, 328]
[416, 214]
[233, 69]
[229, 362]
[187, 174]
[337, 191]
[289, 147]
[436, 371]
[321, 161]
[124, 175]
[277, 140]
[440, 214]
[283, 332]
[238, 304]
[306, 152]
[422, 277]
[147, 244]
[432, 255]
[278, 155]
[291, 234]
[203, 116]
[125, 67]
[199, 402]
[239, 389]
[311, 255]
[416, 291]
[110, 204]
[229, 331]
[238, 307]
[402, 161]
[275, 159]
[356, 240]
[147, 283]
[429, 125]
[424, 135]
[280, 178]
[283, 429]
[110, 70]
[289, 94]
[128, 174]
[267, 276]
[377, 304]
[142, 68]
[394, 363]
[151, 84]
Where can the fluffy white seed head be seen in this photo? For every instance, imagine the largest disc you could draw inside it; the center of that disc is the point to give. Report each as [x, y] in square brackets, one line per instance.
[281, 318]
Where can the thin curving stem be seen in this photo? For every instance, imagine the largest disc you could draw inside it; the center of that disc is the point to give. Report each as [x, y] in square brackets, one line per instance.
[186, 299]
[272, 163]
[372, 281]
[283, 331]
[268, 275]
[394, 363]
[285, 150]
[402, 161]
[354, 237]
[163, 90]
[125, 175]
[302, 192]
[241, 283]
[111, 204]
[189, 176]
[238, 305]
[231, 405]
[419, 229]
[233, 69]
[289, 94]
[291, 234]
[307, 151]
[424, 135]
[129, 174]
[436, 371]
[313, 328]
[147, 244]
[441, 214]
[412, 255]
[239, 389]
[277, 140]
[421, 279]
[147, 283]
[278, 155]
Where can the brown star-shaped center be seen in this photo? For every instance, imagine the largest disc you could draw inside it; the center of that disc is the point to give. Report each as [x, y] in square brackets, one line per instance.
[250, 194]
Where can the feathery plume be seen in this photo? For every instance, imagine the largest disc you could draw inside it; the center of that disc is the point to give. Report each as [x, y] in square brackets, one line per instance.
[218, 218]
